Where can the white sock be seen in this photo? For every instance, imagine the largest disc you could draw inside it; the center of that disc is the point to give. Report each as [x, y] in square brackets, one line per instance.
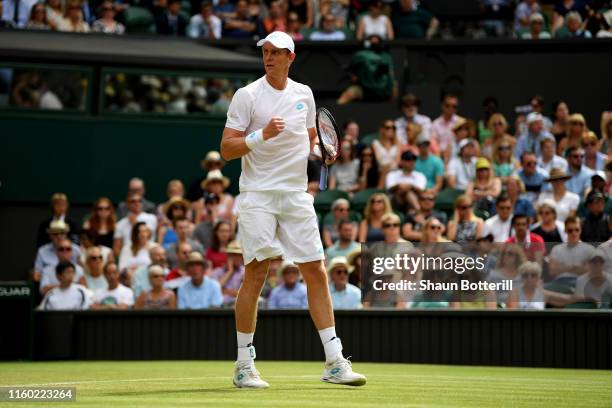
[244, 339]
[331, 344]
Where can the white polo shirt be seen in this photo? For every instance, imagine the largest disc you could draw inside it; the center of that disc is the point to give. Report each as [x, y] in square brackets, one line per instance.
[415, 179]
[75, 297]
[500, 229]
[123, 229]
[280, 163]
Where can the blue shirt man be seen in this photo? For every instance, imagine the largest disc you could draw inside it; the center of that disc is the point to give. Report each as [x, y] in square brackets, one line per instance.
[343, 294]
[291, 293]
[581, 175]
[531, 141]
[201, 292]
[533, 177]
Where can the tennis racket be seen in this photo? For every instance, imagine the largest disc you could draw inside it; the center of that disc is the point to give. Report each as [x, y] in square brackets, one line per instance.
[329, 142]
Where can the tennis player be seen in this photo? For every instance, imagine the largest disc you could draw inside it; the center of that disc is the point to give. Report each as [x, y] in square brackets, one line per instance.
[271, 127]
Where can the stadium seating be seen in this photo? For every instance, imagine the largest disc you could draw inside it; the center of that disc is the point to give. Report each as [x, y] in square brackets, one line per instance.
[360, 199]
[324, 199]
[139, 20]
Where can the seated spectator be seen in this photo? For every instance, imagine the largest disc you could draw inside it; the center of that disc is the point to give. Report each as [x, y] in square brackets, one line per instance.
[565, 202]
[576, 129]
[370, 175]
[157, 297]
[201, 292]
[328, 31]
[68, 295]
[386, 147]
[560, 120]
[343, 294]
[464, 227]
[413, 228]
[176, 211]
[205, 24]
[490, 107]
[463, 129]
[405, 184]
[536, 29]
[523, 12]
[136, 254]
[529, 242]
[532, 177]
[372, 75]
[222, 235]
[94, 270]
[331, 232]
[38, 18]
[203, 231]
[412, 21]
[500, 225]
[510, 259]
[549, 227]
[529, 294]
[375, 23]
[101, 223]
[432, 232]
[230, 276]
[391, 227]
[515, 190]
[181, 228]
[212, 161]
[594, 159]
[73, 19]
[567, 260]
[345, 244]
[410, 105]
[504, 162]
[171, 21]
[116, 296]
[59, 211]
[106, 23]
[442, 128]
[537, 106]
[276, 20]
[290, 293]
[179, 275]
[370, 229]
[339, 9]
[549, 159]
[49, 279]
[15, 18]
[242, 25]
[605, 28]
[224, 9]
[55, 13]
[216, 183]
[485, 188]
[531, 140]
[497, 127]
[573, 27]
[594, 285]
[595, 224]
[580, 179]
[175, 191]
[462, 169]
[304, 9]
[140, 280]
[294, 26]
[344, 174]
[86, 242]
[47, 254]
[124, 227]
[430, 165]
[136, 186]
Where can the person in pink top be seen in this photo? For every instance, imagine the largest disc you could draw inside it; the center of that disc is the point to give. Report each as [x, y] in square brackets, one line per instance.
[442, 127]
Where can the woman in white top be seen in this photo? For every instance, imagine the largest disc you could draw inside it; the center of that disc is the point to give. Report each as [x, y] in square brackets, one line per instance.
[375, 23]
[136, 254]
[344, 175]
[566, 202]
[73, 19]
[528, 295]
[386, 148]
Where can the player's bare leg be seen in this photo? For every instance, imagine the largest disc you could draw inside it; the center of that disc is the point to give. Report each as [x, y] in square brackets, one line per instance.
[245, 374]
[337, 368]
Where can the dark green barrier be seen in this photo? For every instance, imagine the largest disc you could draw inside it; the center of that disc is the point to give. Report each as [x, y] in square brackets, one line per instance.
[16, 317]
[87, 157]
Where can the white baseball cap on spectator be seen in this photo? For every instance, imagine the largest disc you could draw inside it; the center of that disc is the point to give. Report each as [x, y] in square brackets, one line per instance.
[534, 117]
[279, 40]
[536, 17]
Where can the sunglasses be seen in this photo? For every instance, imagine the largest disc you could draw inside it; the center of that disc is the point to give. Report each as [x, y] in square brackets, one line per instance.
[366, 154]
[435, 227]
[341, 209]
[530, 163]
[95, 258]
[389, 127]
[464, 207]
[577, 156]
[426, 199]
[570, 230]
[504, 207]
[545, 212]
[103, 208]
[341, 272]
[377, 201]
[529, 275]
[450, 105]
[157, 275]
[394, 225]
[591, 144]
[133, 201]
[64, 249]
[505, 148]
[498, 124]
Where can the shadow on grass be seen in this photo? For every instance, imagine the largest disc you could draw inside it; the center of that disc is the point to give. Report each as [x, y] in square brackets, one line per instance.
[219, 390]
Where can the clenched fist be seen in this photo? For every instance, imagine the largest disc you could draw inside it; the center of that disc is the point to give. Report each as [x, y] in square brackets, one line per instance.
[274, 127]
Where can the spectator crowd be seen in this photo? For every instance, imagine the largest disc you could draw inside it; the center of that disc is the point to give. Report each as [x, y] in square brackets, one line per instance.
[531, 192]
[320, 20]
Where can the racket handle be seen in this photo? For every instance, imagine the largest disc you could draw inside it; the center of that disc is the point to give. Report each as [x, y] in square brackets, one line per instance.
[323, 180]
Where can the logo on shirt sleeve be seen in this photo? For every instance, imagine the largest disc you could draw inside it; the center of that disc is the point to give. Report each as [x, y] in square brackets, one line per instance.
[299, 106]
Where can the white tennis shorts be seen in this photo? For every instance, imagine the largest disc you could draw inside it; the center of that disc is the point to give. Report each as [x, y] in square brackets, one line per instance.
[279, 223]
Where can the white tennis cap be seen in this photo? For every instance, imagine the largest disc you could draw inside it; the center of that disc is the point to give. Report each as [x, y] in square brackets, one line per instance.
[279, 40]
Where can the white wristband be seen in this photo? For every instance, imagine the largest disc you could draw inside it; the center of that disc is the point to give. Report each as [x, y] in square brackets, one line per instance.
[254, 139]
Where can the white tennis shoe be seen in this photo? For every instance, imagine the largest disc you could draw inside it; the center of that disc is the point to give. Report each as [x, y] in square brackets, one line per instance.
[341, 372]
[247, 376]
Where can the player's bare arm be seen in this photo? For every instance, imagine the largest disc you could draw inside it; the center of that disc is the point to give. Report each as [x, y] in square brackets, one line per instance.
[233, 143]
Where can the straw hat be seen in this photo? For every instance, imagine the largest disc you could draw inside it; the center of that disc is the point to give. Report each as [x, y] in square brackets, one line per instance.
[285, 265]
[339, 261]
[212, 156]
[196, 257]
[558, 174]
[460, 122]
[176, 200]
[215, 175]
[234, 248]
[58, 227]
[353, 255]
